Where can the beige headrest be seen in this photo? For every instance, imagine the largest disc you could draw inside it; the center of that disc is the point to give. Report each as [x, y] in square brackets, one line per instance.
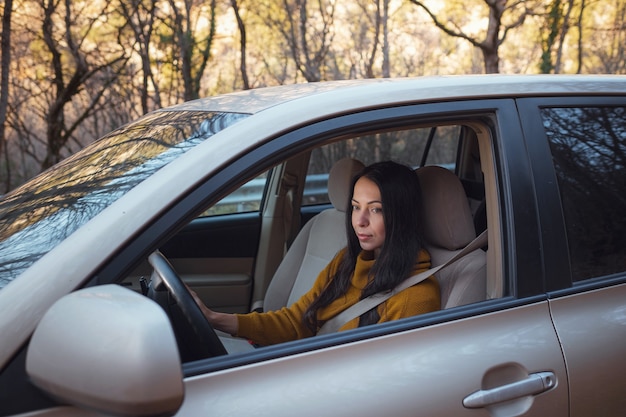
[340, 179]
[448, 219]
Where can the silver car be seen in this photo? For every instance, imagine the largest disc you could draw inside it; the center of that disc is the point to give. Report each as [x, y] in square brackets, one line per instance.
[240, 197]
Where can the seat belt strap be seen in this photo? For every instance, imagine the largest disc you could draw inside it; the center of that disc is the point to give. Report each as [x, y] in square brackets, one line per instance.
[366, 304]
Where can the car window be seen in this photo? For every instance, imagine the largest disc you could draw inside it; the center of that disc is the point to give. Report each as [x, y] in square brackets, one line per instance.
[416, 147]
[245, 199]
[589, 152]
[212, 254]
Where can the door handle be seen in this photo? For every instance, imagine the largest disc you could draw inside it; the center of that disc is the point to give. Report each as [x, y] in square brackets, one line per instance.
[534, 384]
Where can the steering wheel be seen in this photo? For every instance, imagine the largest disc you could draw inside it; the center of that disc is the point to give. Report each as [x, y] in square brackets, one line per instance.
[199, 334]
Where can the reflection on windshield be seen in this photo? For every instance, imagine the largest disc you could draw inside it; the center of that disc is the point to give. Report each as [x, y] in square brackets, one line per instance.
[39, 215]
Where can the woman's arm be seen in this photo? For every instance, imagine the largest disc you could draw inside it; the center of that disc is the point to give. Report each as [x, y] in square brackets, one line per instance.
[274, 326]
[224, 322]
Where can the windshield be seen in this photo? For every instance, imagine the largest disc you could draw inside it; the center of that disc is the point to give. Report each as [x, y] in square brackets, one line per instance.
[39, 215]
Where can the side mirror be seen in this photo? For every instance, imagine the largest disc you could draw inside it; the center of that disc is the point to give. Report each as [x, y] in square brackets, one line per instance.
[109, 349]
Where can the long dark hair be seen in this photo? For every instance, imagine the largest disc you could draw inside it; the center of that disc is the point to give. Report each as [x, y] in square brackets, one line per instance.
[402, 205]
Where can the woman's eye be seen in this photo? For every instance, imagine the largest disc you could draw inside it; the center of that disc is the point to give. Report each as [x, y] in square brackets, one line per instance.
[377, 210]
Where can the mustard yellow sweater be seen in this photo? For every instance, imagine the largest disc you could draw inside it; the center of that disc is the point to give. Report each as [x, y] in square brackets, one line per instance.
[286, 324]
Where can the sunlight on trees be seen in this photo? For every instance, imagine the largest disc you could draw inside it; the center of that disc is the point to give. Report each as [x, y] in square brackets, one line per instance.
[74, 70]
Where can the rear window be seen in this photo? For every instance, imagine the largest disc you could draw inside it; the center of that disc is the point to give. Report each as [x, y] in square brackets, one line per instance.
[589, 152]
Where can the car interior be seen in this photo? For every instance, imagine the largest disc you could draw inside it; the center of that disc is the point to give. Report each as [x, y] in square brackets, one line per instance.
[262, 246]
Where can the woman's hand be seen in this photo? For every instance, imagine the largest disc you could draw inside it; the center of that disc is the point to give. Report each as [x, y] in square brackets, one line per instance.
[224, 322]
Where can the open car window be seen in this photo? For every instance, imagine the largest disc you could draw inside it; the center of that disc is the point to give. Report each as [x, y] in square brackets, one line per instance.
[463, 147]
[245, 199]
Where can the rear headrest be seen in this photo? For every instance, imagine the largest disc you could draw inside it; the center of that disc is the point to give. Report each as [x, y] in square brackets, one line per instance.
[448, 221]
[340, 179]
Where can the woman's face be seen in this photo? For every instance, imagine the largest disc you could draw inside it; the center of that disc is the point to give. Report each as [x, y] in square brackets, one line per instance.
[367, 215]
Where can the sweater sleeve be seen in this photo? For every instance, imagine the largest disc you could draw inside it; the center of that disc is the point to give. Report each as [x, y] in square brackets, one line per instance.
[287, 323]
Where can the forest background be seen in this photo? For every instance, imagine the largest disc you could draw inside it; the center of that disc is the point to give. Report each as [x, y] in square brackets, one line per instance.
[72, 70]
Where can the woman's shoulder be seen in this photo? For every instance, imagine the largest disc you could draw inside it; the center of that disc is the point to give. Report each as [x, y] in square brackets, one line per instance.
[423, 260]
[333, 265]
[427, 292]
[339, 255]
[417, 299]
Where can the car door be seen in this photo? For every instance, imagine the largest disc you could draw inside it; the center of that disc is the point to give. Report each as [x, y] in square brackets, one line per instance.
[432, 371]
[579, 147]
[499, 357]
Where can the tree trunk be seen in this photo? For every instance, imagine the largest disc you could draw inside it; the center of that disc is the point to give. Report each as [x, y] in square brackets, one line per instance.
[491, 59]
[385, 24]
[242, 45]
[4, 82]
[491, 44]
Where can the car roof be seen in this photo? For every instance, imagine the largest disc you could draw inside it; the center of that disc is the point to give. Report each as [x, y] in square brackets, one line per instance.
[378, 91]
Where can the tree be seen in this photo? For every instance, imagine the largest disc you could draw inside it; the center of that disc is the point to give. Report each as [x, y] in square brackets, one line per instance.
[72, 70]
[62, 74]
[384, 21]
[605, 47]
[307, 29]
[554, 23]
[583, 36]
[494, 34]
[140, 18]
[193, 44]
[242, 44]
[368, 22]
[62, 49]
[5, 50]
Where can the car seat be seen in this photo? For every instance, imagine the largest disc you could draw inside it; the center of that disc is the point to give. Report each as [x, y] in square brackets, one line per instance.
[316, 244]
[448, 228]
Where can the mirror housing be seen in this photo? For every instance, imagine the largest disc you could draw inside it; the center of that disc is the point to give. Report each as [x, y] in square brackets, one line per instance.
[109, 349]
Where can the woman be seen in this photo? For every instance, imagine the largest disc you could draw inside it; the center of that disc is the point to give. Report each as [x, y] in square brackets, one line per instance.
[384, 248]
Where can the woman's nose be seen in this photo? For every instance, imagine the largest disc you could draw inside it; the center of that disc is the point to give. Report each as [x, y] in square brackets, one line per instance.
[363, 218]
